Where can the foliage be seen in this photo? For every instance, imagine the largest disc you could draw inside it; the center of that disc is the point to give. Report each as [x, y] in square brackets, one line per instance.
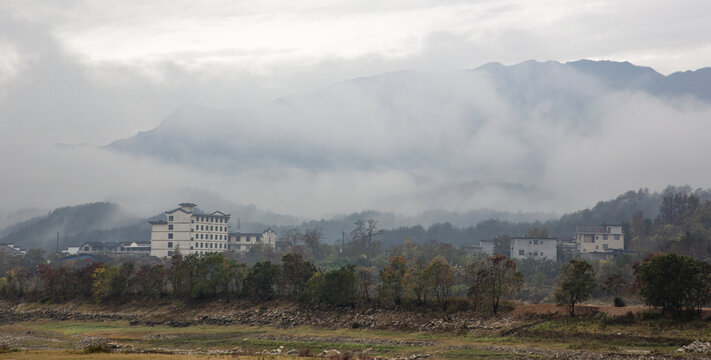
[392, 279]
[442, 277]
[674, 282]
[261, 279]
[575, 284]
[336, 287]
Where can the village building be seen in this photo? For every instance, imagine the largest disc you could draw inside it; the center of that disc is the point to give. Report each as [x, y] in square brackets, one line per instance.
[242, 242]
[11, 249]
[534, 248]
[599, 238]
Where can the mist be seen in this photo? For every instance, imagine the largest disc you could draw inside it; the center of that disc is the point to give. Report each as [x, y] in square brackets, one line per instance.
[315, 130]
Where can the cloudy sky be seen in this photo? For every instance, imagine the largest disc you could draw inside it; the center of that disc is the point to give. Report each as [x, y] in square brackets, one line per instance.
[90, 72]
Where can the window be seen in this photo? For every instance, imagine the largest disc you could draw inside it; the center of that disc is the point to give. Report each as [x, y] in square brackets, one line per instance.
[211, 237]
[170, 218]
[212, 228]
[191, 248]
[617, 237]
[191, 239]
[170, 235]
[192, 221]
[86, 248]
[535, 253]
[521, 252]
[170, 253]
[170, 227]
[535, 242]
[604, 237]
[210, 245]
[170, 244]
[604, 246]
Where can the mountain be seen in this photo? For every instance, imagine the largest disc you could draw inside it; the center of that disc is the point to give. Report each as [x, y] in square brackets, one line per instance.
[411, 120]
[74, 224]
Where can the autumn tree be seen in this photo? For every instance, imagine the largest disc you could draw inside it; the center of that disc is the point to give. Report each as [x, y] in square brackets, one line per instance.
[476, 275]
[575, 284]
[501, 279]
[419, 282]
[392, 279]
[442, 277]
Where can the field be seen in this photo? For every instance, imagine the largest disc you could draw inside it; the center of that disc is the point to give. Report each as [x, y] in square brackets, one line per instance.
[518, 334]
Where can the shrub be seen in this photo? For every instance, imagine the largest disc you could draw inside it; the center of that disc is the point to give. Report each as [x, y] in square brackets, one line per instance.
[619, 302]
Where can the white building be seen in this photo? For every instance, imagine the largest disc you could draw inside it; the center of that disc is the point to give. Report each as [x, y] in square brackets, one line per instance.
[487, 246]
[242, 242]
[190, 232]
[534, 248]
[599, 238]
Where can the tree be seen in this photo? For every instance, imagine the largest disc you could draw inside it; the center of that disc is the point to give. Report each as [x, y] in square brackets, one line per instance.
[292, 237]
[673, 282]
[312, 240]
[501, 279]
[296, 272]
[365, 281]
[575, 284]
[392, 279]
[616, 284]
[502, 245]
[336, 287]
[442, 277]
[261, 279]
[536, 232]
[363, 234]
[475, 275]
[419, 281]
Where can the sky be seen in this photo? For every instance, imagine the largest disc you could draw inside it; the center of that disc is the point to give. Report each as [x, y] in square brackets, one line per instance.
[90, 72]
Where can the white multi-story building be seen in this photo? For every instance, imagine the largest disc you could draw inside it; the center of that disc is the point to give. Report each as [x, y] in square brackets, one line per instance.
[599, 239]
[242, 242]
[192, 233]
[534, 248]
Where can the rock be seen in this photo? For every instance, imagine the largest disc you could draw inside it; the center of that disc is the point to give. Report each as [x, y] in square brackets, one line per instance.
[330, 353]
[292, 352]
[696, 346]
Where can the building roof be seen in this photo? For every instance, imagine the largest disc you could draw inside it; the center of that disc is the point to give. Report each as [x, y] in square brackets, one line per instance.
[594, 228]
[188, 204]
[219, 214]
[532, 238]
[178, 209]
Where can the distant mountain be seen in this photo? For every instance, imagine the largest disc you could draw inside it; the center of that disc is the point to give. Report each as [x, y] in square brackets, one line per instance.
[86, 221]
[357, 123]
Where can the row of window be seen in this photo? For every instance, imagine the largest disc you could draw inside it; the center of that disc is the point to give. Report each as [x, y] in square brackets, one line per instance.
[209, 237]
[203, 245]
[203, 219]
[210, 219]
[204, 228]
[534, 253]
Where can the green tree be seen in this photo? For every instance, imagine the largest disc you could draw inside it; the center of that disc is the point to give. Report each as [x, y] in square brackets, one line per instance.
[261, 279]
[575, 284]
[673, 282]
[296, 272]
[337, 287]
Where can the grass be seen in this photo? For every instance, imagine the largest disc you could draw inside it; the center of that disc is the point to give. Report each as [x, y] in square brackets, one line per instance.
[594, 333]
